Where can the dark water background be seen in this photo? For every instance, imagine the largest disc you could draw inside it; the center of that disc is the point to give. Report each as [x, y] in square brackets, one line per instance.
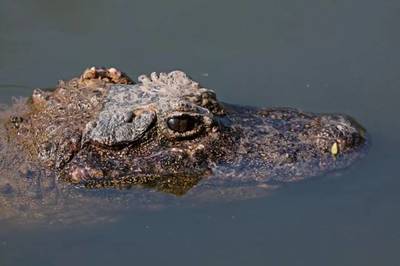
[323, 56]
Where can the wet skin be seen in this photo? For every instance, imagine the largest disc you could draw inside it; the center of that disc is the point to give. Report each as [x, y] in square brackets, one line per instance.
[166, 131]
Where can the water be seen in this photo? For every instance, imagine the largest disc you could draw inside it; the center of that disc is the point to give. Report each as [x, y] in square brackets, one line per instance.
[322, 56]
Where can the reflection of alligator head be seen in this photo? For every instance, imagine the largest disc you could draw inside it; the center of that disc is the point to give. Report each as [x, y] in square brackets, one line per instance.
[168, 132]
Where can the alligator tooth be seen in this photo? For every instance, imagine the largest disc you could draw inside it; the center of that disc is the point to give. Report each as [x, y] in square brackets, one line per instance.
[335, 149]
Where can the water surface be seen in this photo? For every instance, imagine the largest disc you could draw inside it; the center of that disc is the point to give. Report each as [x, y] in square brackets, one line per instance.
[322, 56]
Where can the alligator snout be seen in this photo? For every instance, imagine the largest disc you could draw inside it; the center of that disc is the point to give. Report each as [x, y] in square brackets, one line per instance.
[339, 133]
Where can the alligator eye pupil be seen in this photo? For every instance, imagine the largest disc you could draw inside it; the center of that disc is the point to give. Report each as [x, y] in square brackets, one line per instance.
[181, 124]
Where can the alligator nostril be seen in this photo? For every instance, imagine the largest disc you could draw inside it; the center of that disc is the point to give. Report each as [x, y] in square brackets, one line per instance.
[341, 133]
[129, 117]
[354, 134]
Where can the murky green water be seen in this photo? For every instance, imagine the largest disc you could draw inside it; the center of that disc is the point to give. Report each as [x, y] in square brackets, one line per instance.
[323, 56]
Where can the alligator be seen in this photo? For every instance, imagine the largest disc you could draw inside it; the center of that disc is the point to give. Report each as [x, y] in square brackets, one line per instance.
[102, 131]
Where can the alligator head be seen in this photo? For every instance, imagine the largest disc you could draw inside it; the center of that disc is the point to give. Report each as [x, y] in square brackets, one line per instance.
[168, 132]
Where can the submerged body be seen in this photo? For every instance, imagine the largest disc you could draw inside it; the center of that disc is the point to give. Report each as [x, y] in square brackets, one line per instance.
[165, 132]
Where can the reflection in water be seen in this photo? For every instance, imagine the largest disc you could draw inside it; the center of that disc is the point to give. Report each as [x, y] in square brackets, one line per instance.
[175, 184]
[323, 56]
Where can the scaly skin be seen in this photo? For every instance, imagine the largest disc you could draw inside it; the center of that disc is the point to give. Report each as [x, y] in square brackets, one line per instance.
[166, 132]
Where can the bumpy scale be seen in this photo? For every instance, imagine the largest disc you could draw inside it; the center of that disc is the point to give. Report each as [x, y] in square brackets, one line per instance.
[167, 132]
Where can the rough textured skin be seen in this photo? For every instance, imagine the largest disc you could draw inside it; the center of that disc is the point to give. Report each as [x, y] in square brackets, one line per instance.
[165, 132]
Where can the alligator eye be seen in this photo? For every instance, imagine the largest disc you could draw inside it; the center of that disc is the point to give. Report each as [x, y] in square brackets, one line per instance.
[182, 123]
